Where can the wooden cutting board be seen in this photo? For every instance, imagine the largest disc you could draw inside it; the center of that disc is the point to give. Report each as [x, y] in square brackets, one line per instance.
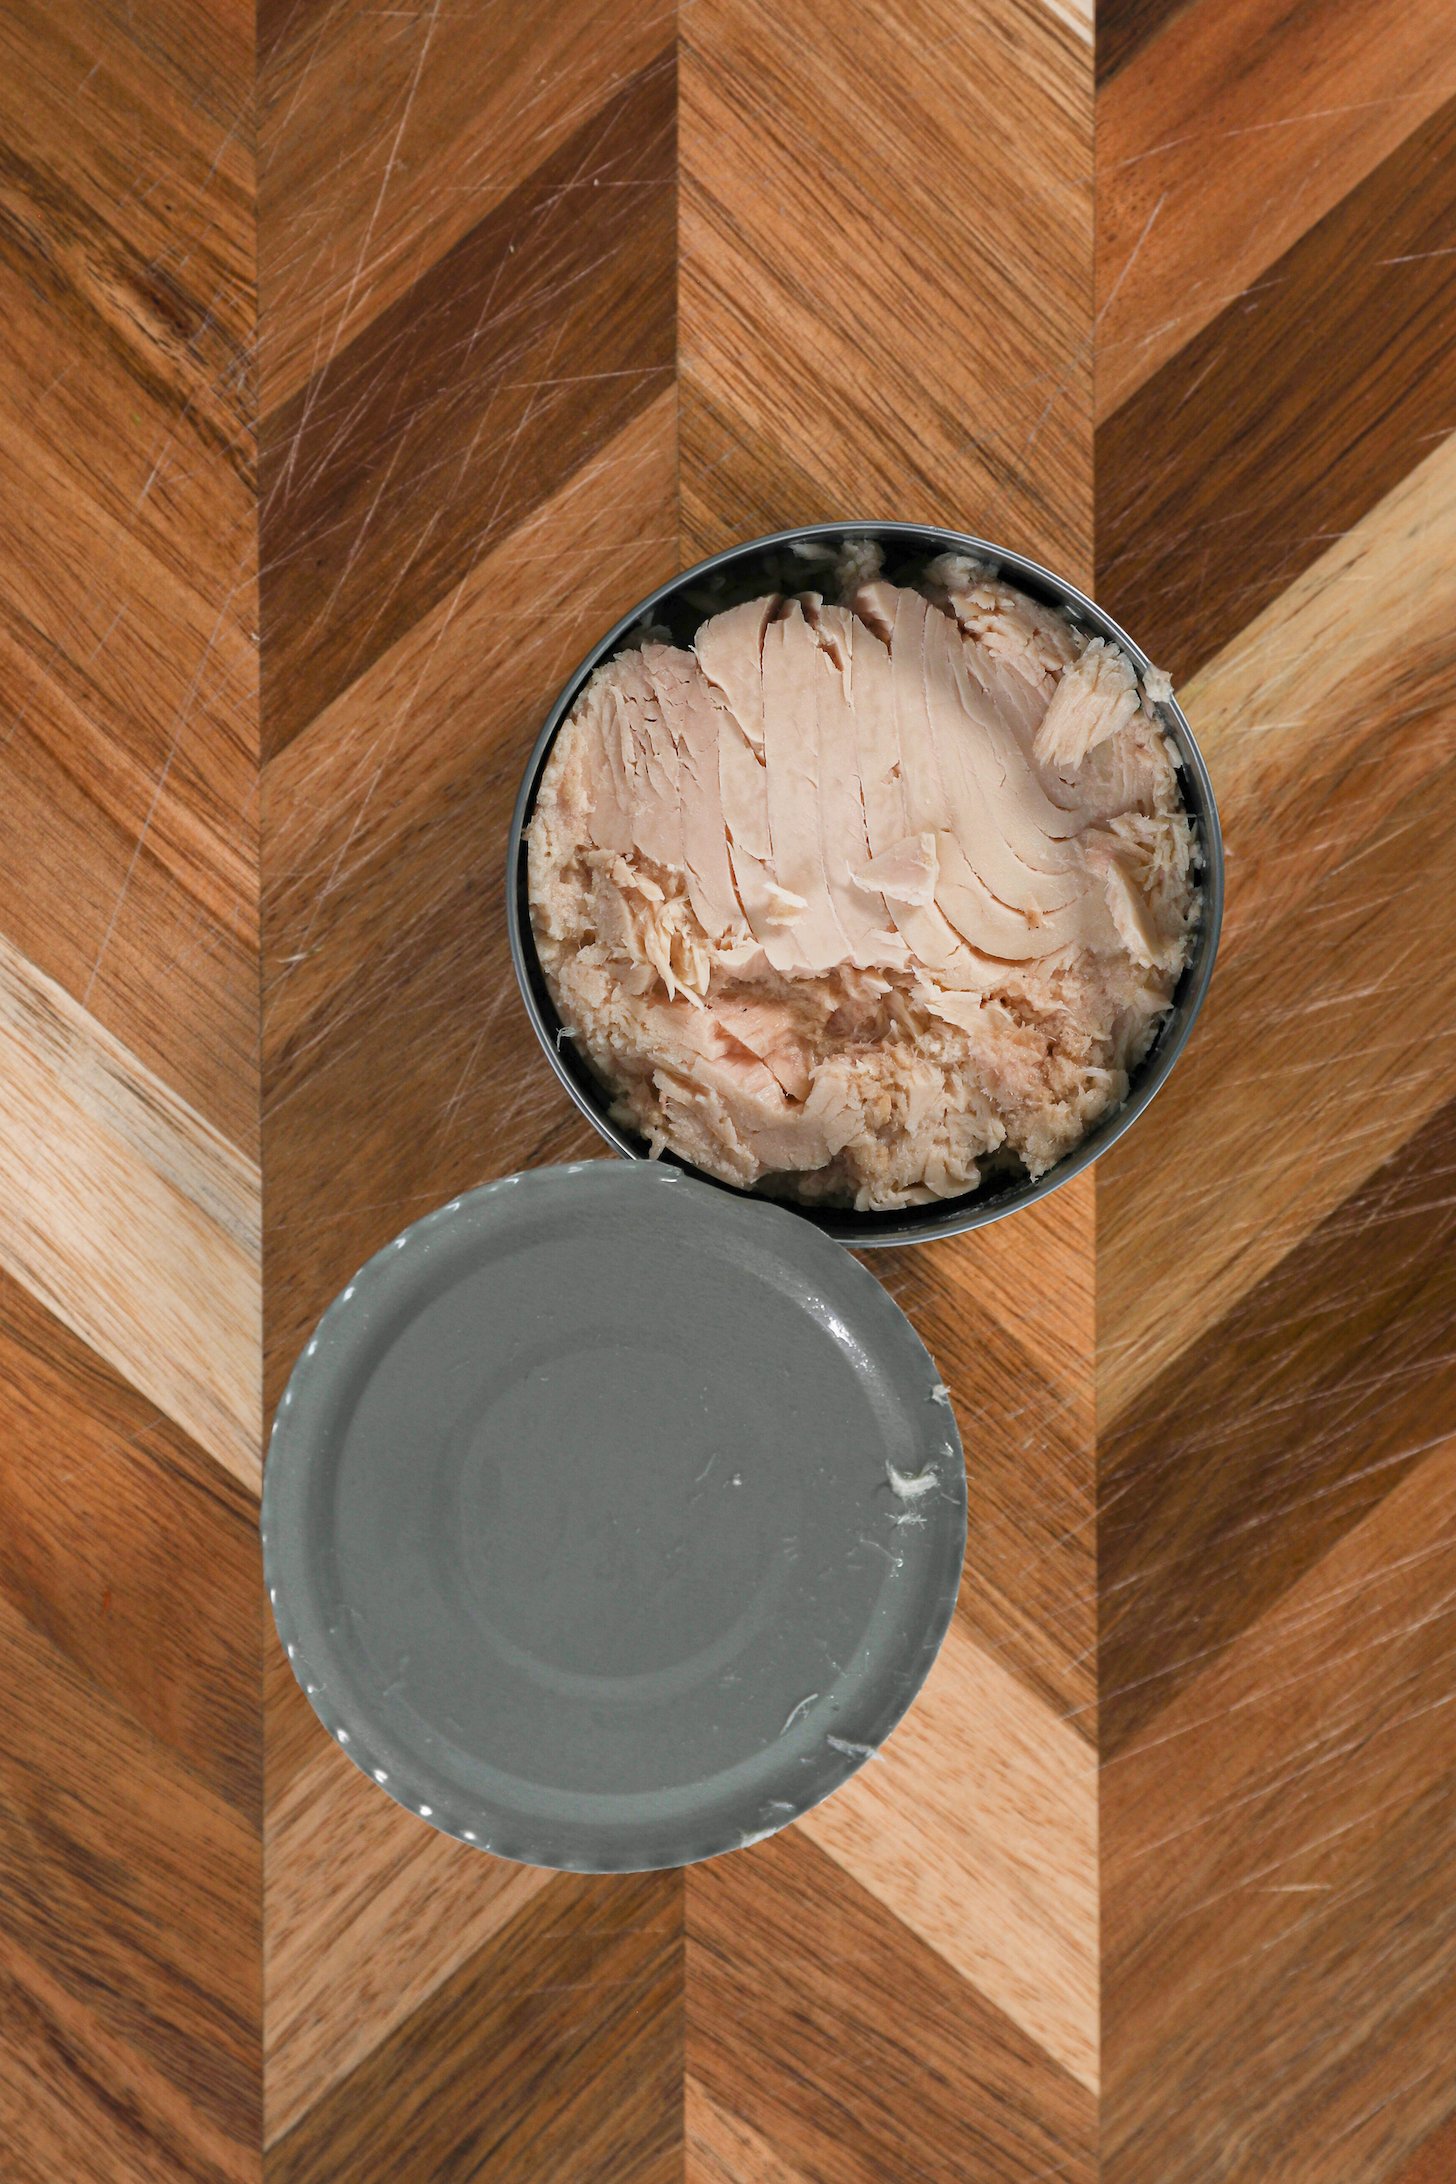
[360, 365]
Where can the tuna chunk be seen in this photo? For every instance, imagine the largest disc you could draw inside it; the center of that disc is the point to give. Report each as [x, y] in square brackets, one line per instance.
[1096, 697]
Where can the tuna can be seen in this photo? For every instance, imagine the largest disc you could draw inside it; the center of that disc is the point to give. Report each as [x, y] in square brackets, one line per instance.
[776, 562]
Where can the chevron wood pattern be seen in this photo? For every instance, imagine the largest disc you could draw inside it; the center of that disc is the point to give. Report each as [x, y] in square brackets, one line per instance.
[358, 365]
[130, 1296]
[1275, 1395]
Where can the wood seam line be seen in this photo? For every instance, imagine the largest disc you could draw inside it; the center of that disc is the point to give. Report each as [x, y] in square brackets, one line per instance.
[130, 1217]
[703, 2114]
[1078, 16]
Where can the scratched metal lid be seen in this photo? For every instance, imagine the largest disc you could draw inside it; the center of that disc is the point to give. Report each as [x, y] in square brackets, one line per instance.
[611, 1523]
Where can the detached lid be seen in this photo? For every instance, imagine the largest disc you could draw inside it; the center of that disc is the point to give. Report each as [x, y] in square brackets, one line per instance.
[611, 1522]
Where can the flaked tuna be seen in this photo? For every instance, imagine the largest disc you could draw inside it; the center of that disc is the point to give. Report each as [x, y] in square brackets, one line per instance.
[848, 898]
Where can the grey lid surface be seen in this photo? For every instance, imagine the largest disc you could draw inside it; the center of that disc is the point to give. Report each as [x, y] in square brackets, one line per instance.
[610, 1521]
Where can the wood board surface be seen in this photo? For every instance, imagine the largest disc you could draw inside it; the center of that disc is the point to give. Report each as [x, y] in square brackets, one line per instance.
[359, 366]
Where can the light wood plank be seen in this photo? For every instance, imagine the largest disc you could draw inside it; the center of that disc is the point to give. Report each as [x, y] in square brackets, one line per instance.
[129, 1217]
[977, 1826]
[369, 1913]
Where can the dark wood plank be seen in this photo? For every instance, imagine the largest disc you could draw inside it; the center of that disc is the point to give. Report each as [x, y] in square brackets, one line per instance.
[853, 2050]
[500, 372]
[555, 2052]
[77, 2102]
[129, 1549]
[1274, 430]
[1124, 27]
[1434, 2160]
[1243, 1462]
[1279, 1877]
[1353, 2017]
[385, 134]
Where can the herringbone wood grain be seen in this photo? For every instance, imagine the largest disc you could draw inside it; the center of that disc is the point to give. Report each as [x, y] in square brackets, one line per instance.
[358, 365]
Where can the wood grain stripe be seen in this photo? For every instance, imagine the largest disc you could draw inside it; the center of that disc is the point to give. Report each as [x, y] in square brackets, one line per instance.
[129, 1550]
[1241, 124]
[848, 2048]
[487, 384]
[1289, 416]
[1254, 1451]
[1285, 1831]
[79, 2101]
[554, 2052]
[835, 358]
[723, 2149]
[128, 612]
[369, 1913]
[1329, 724]
[387, 134]
[129, 1217]
[1124, 27]
[149, 1923]
[999, 1873]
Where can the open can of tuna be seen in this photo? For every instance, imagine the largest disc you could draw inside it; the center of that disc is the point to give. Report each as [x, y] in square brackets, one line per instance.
[796, 561]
